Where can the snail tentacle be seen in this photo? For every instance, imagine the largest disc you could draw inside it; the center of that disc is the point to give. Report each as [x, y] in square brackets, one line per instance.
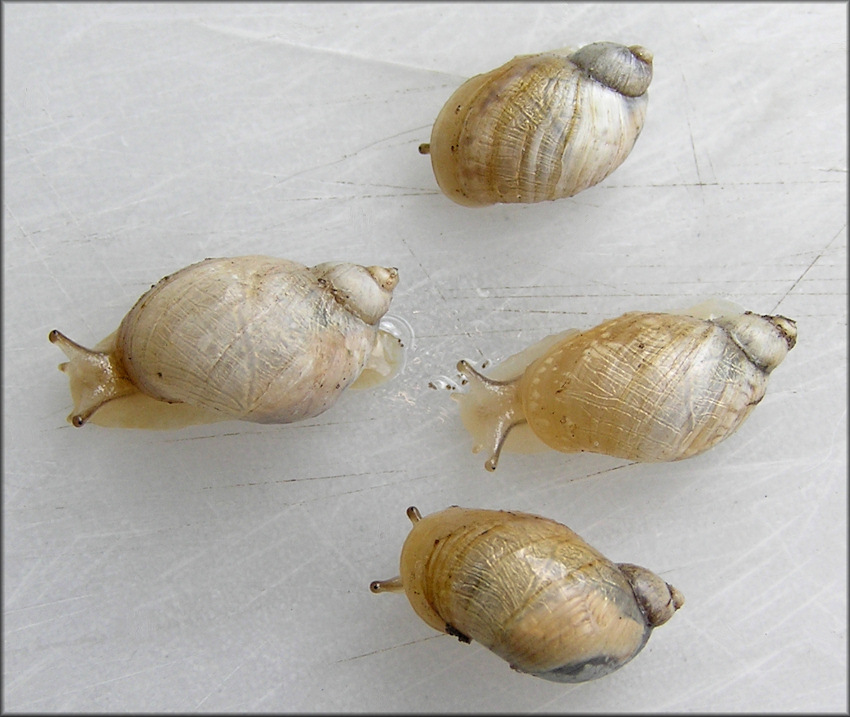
[393, 585]
[413, 514]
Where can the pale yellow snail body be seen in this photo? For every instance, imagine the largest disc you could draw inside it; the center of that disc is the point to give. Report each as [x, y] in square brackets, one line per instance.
[251, 338]
[644, 386]
[541, 127]
[530, 590]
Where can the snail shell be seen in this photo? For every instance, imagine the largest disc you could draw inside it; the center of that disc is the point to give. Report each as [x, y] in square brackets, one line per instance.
[541, 127]
[644, 386]
[250, 338]
[530, 590]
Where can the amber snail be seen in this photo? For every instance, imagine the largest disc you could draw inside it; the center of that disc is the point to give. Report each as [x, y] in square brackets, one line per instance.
[530, 590]
[644, 386]
[251, 338]
[541, 127]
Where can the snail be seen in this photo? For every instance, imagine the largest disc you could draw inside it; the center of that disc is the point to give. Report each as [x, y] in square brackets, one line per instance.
[541, 127]
[251, 338]
[530, 590]
[644, 387]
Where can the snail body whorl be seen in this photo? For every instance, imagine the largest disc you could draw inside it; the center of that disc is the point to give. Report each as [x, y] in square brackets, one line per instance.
[644, 386]
[541, 127]
[530, 590]
[251, 338]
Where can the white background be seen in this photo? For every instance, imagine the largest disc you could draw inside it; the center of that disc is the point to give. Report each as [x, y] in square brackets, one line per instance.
[226, 567]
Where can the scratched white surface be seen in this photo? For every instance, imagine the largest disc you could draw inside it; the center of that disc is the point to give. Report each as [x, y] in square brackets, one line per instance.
[226, 567]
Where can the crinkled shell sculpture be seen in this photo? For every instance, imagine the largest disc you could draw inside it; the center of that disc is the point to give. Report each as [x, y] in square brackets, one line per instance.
[644, 386]
[250, 338]
[530, 590]
[541, 127]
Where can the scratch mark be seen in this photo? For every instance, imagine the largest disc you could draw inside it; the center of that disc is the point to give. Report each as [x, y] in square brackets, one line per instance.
[743, 671]
[346, 54]
[270, 430]
[361, 490]
[220, 684]
[70, 301]
[691, 133]
[603, 472]
[300, 480]
[54, 618]
[345, 157]
[345, 198]
[47, 604]
[809, 267]
[100, 683]
[389, 649]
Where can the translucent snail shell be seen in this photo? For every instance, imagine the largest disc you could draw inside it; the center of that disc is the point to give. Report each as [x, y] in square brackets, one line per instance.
[644, 386]
[541, 127]
[251, 338]
[530, 590]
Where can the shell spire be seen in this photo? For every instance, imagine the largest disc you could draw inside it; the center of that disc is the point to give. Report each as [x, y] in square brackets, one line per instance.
[766, 340]
[628, 70]
[365, 291]
[658, 600]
